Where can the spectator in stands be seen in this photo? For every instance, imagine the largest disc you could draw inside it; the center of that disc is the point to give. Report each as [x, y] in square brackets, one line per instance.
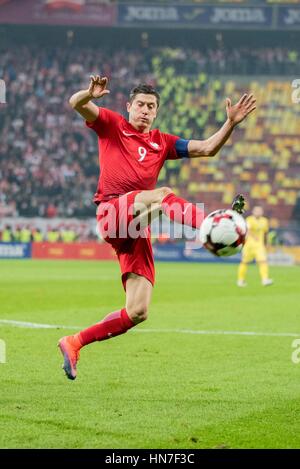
[17, 234]
[53, 236]
[25, 235]
[7, 235]
[68, 235]
[37, 235]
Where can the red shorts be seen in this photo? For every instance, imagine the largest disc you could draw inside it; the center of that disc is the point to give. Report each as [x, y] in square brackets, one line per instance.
[115, 219]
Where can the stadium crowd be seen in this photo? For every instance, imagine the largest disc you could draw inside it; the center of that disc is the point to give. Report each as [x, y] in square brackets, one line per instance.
[48, 160]
[27, 234]
[243, 2]
[57, 231]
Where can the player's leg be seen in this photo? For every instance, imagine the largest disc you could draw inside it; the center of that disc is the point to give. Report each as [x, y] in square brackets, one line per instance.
[138, 274]
[262, 262]
[242, 271]
[115, 323]
[264, 273]
[150, 203]
[247, 257]
[138, 297]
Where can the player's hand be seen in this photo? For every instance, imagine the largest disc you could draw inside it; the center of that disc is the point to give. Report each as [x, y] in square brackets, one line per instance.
[241, 109]
[97, 87]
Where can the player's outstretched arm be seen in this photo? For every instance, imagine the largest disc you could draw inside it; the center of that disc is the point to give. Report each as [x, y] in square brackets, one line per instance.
[81, 101]
[235, 115]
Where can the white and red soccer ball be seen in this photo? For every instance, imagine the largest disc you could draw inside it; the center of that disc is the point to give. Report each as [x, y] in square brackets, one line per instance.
[223, 232]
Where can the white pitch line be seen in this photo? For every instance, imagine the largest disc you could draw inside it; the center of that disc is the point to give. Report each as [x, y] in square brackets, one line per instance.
[205, 332]
[34, 325]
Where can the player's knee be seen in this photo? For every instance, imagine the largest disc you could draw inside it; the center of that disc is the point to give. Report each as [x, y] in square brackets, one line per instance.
[163, 192]
[138, 313]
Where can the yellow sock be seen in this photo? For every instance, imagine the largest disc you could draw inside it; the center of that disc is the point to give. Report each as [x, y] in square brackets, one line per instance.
[242, 272]
[263, 270]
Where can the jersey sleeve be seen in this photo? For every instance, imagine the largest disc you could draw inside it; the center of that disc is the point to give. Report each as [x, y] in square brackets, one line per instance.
[105, 122]
[176, 147]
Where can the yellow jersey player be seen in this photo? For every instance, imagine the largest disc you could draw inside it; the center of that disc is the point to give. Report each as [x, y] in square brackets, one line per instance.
[255, 248]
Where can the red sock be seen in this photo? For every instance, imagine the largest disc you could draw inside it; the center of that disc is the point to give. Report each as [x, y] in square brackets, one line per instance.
[182, 211]
[113, 324]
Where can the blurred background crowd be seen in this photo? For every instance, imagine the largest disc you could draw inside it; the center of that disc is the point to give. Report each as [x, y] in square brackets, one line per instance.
[49, 159]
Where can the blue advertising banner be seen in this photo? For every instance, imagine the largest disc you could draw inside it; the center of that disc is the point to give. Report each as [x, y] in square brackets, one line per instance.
[171, 252]
[15, 250]
[289, 17]
[195, 15]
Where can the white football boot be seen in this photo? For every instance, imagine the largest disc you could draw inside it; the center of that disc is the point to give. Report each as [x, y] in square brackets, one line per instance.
[241, 283]
[267, 282]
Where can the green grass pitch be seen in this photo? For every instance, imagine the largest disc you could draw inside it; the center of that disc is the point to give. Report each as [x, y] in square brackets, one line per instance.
[164, 388]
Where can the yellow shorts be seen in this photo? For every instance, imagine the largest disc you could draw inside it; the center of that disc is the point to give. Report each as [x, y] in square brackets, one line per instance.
[253, 251]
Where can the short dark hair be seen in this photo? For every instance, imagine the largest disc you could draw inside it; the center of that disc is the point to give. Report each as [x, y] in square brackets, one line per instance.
[145, 89]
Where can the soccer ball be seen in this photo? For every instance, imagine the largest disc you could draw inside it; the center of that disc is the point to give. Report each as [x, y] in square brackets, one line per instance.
[223, 232]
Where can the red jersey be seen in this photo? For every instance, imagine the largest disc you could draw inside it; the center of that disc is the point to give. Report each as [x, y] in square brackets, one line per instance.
[129, 160]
